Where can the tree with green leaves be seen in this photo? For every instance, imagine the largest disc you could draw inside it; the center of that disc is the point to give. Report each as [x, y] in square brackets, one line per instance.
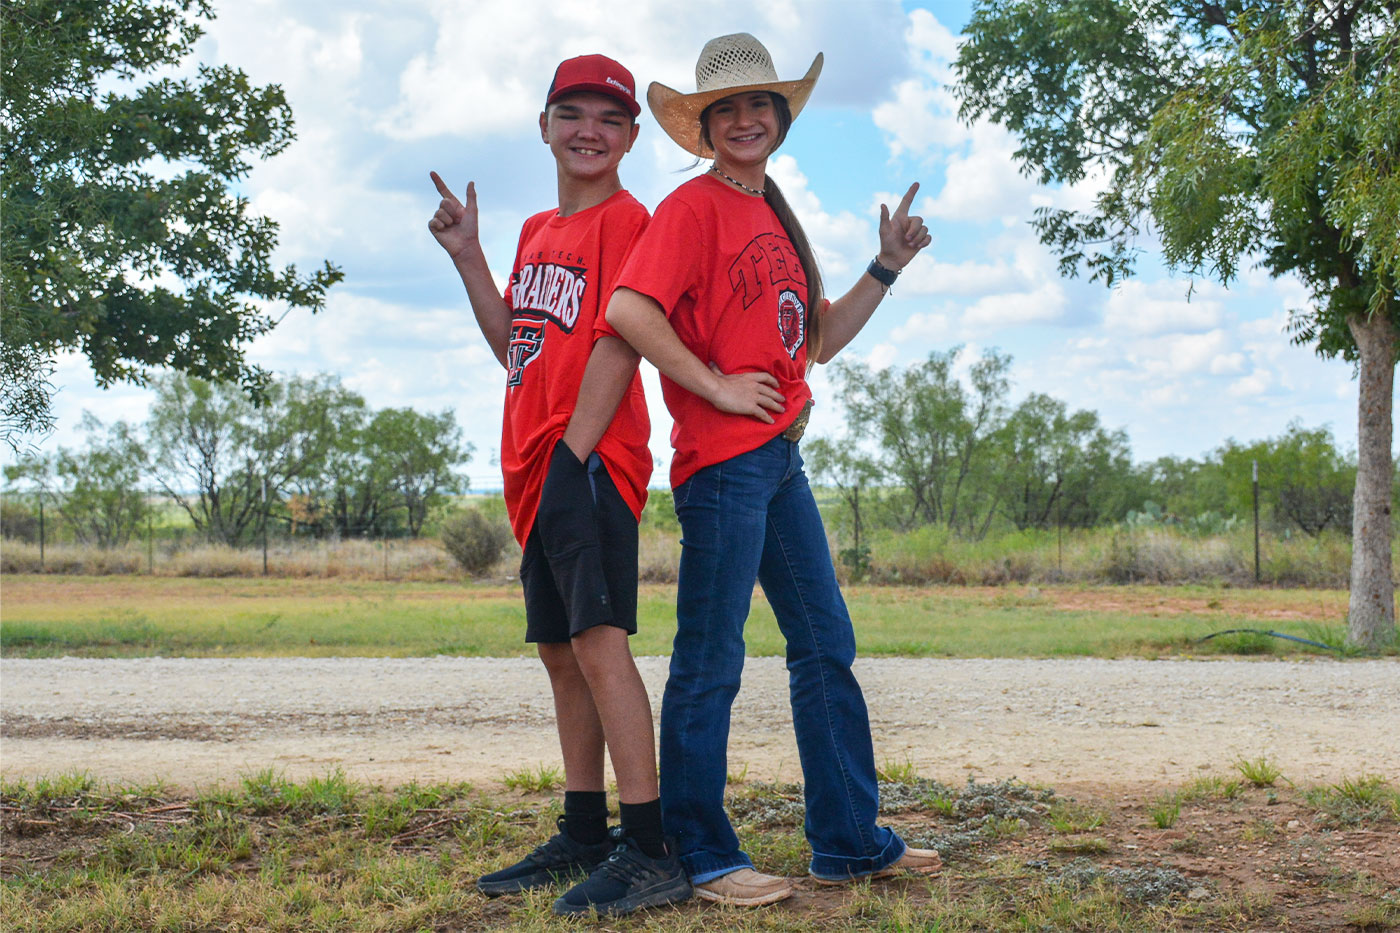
[856, 476]
[1304, 481]
[214, 452]
[120, 235]
[930, 435]
[1236, 132]
[98, 487]
[1059, 467]
[419, 455]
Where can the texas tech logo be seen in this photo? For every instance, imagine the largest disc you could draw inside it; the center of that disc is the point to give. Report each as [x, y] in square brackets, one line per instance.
[792, 321]
[541, 292]
[770, 264]
[526, 340]
[549, 290]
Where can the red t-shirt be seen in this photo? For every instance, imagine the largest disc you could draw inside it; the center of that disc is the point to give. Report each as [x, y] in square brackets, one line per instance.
[564, 268]
[724, 271]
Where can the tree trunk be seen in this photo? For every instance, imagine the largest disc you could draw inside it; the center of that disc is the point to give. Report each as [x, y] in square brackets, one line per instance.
[1371, 615]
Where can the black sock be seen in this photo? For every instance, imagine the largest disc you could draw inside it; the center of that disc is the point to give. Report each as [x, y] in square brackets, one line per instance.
[642, 821]
[586, 816]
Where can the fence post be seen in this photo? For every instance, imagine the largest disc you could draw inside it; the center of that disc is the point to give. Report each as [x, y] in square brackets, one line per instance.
[1256, 520]
[150, 544]
[41, 531]
[1059, 539]
[264, 524]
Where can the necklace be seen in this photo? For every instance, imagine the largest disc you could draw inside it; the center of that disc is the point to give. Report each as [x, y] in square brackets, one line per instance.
[735, 181]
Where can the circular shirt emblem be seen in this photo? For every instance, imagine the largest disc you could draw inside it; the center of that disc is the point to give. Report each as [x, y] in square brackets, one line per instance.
[792, 321]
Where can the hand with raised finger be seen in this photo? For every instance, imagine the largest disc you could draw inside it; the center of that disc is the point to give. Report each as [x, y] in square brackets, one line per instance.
[752, 394]
[454, 225]
[901, 236]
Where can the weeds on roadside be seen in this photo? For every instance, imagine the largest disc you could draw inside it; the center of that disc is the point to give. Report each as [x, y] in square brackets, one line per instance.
[535, 780]
[897, 772]
[1190, 843]
[1068, 816]
[1080, 845]
[1357, 800]
[332, 854]
[1261, 772]
[1258, 831]
[1165, 810]
[1381, 907]
[1211, 787]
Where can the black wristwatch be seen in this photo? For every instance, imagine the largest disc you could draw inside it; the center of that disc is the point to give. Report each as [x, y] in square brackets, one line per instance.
[880, 274]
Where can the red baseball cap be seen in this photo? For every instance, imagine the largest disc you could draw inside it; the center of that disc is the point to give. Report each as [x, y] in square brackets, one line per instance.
[596, 73]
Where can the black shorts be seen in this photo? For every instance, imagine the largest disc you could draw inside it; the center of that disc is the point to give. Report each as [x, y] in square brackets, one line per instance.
[580, 564]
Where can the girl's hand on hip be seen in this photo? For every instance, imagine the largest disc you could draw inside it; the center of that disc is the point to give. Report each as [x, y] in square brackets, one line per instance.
[752, 394]
[901, 236]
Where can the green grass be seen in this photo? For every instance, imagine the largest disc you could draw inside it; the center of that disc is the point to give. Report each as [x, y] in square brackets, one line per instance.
[534, 780]
[330, 854]
[1080, 845]
[1261, 772]
[897, 771]
[1067, 816]
[1165, 811]
[1211, 786]
[1354, 801]
[54, 615]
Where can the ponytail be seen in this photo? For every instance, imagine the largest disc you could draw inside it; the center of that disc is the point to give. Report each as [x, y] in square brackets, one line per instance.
[774, 196]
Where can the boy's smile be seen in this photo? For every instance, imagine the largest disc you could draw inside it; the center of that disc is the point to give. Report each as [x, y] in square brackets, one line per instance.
[588, 133]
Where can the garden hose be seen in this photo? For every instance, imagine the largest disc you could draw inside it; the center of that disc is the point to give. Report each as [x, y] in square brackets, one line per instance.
[1256, 631]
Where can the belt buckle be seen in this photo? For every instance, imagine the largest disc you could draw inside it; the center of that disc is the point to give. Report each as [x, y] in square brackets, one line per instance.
[794, 431]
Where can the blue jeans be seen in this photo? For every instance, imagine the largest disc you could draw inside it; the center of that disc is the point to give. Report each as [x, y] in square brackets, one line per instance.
[753, 517]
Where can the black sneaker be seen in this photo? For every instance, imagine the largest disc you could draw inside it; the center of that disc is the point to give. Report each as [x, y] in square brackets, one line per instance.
[559, 859]
[629, 880]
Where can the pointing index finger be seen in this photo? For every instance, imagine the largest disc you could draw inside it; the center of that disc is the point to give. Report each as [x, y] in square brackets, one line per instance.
[442, 188]
[907, 201]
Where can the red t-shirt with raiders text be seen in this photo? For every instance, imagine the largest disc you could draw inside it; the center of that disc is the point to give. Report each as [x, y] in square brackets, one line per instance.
[724, 271]
[564, 269]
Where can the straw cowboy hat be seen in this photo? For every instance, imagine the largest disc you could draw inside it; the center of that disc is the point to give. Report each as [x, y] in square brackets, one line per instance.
[728, 65]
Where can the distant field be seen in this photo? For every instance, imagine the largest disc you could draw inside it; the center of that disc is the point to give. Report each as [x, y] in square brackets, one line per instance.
[127, 616]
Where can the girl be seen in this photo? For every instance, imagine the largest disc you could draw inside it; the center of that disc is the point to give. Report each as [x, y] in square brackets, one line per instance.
[722, 293]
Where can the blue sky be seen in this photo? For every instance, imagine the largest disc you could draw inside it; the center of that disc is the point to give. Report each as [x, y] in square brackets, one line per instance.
[385, 91]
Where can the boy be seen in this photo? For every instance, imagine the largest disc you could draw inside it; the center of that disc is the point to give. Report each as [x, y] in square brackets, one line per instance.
[576, 464]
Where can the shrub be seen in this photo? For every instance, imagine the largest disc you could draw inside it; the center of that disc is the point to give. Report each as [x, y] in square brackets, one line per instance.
[18, 522]
[658, 554]
[475, 540]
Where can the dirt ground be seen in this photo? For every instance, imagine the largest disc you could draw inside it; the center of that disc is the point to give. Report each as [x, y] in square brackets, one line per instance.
[198, 721]
[1245, 858]
[1114, 735]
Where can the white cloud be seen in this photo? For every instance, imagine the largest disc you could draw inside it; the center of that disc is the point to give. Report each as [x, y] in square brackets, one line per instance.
[1178, 354]
[1139, 308]
[932, 44]
[928, 276]
[1257, 383]
[1227, 363]
[982, 183]
[382, 93]
[931, 327]
[834, 236]
[1045, 305]
[919, 118]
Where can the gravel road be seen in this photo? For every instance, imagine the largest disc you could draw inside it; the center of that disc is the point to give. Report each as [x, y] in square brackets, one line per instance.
[200, 721]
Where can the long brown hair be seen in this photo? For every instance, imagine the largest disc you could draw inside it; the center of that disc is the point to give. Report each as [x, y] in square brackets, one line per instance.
[791, 226]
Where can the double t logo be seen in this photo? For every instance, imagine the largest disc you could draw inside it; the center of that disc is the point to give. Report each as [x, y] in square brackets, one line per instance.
[768, 265]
